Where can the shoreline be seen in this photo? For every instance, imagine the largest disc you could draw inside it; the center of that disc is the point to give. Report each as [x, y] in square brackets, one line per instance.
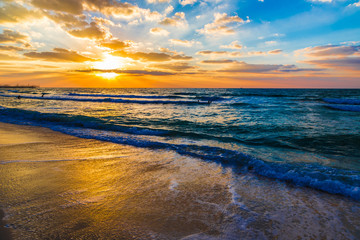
[60, 186]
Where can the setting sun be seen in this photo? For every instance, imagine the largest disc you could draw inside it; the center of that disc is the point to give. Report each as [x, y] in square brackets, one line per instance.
[107, 75]
[109, 63]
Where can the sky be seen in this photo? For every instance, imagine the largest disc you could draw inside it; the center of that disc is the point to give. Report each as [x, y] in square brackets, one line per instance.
[180, 43]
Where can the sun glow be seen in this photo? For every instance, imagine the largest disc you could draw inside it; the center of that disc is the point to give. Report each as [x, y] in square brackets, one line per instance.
[109, 63]
[107, 75]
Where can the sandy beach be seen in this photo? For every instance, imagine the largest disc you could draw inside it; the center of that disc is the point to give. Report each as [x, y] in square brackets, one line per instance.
[58, 186]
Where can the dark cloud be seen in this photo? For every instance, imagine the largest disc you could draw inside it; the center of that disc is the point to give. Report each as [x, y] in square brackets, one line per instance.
[59, 54]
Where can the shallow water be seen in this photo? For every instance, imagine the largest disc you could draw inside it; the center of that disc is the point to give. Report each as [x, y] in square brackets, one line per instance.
[306, 137]
[55, 186]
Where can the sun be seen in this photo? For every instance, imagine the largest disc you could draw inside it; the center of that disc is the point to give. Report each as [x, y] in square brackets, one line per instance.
[109, 63]
[107, 75]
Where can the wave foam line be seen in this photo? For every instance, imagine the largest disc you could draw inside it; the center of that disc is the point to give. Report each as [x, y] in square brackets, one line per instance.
[110, 100]
[123, 96]
[331, 180]
[73, 121]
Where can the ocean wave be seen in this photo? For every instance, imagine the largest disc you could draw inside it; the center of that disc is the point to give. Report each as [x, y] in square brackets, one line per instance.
[125, 96]
[14, 115]
[110, 100]
[324, 178]
[351, 108]
[342, 101]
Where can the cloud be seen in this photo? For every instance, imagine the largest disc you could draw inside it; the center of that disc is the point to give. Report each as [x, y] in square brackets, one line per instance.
[174, 66]
[59, 54]
[68, 21]
[357, 4]
[184, 43]
[187, 2]
[343, 63]
[92, 31]
[332, 51]
[130, 72]
[276, 51]
[223, 61]
[169, 9]
[115, 44]
[159, 31]
[13, 13]
[177, 20]
[243, 67]
[6, 57]
[219, 53]
[232, 45]
[68, 6]
[10, 36]
[152, 56]
[10, 48]
[223, 24]
[112, 8]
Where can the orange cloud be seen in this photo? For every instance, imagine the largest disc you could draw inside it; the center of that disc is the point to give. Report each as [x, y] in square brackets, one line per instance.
[232, 45]
[69, 6]
[59, 54]
[13, 13]
[159, 31]
[115, 44]
[151, 57]
[10, 36]
[93, 31]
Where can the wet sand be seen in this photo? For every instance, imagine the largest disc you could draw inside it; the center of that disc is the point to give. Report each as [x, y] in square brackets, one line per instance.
[56, 186]
[5, 233]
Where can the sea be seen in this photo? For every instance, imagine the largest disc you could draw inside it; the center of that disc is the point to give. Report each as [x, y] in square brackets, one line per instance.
[291, 140]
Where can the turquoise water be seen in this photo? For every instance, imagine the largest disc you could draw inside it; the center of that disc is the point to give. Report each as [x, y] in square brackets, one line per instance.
[309, 138]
